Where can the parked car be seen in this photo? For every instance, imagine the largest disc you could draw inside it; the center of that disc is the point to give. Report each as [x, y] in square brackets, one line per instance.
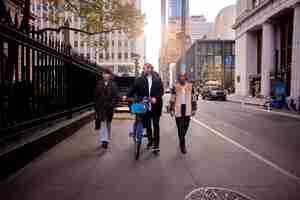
[213, 93]
[124, 84]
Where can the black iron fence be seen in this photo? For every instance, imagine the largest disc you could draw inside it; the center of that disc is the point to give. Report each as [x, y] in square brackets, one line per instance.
[40, 80]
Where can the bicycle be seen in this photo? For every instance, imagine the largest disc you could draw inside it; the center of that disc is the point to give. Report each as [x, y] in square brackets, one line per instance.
[139, 108]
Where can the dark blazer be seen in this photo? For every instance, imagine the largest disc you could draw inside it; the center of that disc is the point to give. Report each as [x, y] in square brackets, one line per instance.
[106, 98]
[141, 90]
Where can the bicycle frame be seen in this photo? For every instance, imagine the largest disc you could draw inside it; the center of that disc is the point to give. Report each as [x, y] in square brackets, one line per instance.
[139, 109]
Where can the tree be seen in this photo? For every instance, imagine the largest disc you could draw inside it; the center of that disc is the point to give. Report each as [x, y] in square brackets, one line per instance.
[97, 16]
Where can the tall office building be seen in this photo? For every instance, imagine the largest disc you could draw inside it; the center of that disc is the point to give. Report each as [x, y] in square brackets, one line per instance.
[200, 28]
[118, 56]
[171, 48]
[175, 8]
[163, 20]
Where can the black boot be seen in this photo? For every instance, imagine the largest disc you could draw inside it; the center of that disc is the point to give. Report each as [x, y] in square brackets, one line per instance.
[183, 147]
[150, 144]
[104, 145]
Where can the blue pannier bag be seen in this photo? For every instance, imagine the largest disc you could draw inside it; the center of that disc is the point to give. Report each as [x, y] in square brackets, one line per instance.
[138, 108]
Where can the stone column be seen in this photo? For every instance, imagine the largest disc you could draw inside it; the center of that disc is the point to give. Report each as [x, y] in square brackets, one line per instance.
[246, 62]
[295, 84]
[268, 58]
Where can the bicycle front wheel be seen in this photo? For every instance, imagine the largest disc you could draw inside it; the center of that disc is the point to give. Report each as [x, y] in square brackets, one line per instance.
[138, 141]
[137, 150]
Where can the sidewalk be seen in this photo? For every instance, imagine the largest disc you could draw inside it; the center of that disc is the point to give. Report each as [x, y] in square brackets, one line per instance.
[258, 103]
[79, 169]
[246, 100]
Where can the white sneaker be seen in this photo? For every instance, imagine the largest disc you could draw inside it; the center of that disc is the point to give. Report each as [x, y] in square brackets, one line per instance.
[131, 134]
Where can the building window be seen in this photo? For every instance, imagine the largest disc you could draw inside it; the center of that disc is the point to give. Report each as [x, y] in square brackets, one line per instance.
[126, 43]
[112, 43]
[202, 48]
[233, 49]
[218, 49]
[81, 55]
[210, 49]
[88, 56]
[75, 43]
[81, 44]
[228, 48]
[126, 55]
[101, 56]
[132, 44]
[119, 43]
[119, 55]
[210, 61]
[112, 56]
[107, 56]
[82, 19]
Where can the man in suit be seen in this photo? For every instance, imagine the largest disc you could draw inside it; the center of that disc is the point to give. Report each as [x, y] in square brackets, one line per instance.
[149, 85]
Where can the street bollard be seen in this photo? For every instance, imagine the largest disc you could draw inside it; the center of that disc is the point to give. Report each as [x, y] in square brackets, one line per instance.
[268, 103]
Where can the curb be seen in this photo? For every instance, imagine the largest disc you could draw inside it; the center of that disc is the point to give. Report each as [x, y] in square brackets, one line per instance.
[18, 156]
[273, 111]
[246, 103]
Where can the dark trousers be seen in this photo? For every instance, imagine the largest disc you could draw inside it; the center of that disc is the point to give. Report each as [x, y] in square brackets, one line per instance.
[182, 123]
[152, 119]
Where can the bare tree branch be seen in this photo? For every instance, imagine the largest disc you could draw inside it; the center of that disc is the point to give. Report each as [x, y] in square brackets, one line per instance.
[77, 30]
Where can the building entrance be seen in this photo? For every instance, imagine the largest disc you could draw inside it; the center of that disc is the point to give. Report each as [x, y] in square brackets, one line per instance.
[283, 68]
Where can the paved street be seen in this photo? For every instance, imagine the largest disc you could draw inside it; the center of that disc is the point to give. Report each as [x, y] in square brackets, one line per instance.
[229, 146]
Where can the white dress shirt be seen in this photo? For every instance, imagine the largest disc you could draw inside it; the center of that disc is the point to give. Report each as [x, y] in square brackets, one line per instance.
[182, 96]
[149, 78]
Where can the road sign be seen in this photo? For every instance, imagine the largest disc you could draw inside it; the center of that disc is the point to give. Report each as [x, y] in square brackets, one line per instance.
[228, 60]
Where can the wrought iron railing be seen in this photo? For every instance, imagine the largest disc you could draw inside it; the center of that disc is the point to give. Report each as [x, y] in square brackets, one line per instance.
[40, 80]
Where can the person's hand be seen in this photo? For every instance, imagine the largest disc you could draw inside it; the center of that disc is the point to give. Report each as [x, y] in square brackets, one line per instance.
[124, 98]
[153, 100]
[193, 113]
[172, 113]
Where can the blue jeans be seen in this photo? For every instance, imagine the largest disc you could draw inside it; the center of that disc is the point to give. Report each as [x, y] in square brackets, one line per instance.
[105, 131]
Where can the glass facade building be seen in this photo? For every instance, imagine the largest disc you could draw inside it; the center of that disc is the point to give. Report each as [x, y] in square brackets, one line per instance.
[211, 60]
[175, 8]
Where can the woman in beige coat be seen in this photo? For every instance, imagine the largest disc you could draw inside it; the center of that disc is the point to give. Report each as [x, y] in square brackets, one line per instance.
[183, 106]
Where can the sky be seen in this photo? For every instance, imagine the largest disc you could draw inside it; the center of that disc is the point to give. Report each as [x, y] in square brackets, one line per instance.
[151, 8]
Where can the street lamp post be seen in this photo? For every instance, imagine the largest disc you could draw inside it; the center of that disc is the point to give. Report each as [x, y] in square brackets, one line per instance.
[136, 58]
